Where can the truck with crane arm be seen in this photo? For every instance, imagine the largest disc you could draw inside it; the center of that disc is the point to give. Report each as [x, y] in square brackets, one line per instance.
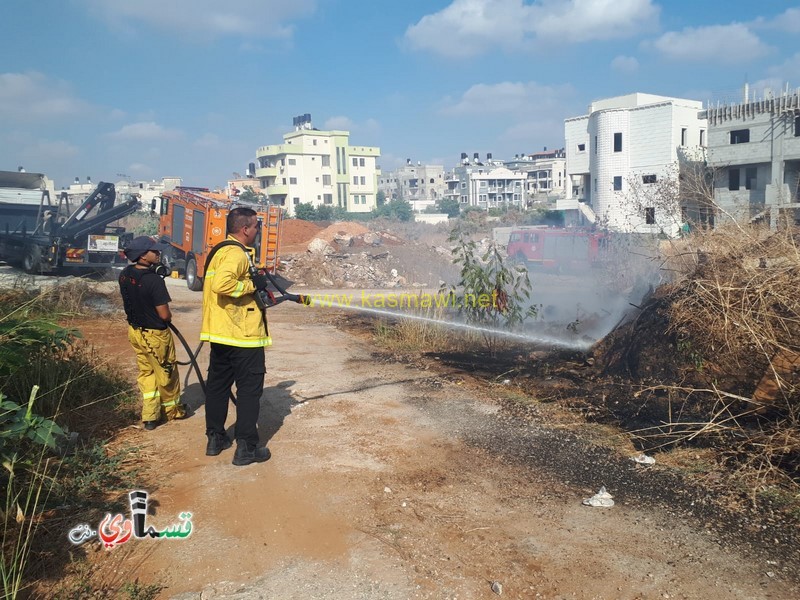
[45, 235]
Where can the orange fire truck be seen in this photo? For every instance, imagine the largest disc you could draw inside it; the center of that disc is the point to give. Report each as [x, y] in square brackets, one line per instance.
[193, 219]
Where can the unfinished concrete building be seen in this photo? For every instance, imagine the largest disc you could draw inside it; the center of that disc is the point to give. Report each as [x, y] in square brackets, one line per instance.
[754, 152]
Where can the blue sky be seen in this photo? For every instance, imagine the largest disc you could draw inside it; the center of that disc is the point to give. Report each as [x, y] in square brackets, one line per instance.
[190, 88]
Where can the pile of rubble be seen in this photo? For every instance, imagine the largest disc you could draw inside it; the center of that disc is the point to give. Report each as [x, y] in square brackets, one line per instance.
[349, 255]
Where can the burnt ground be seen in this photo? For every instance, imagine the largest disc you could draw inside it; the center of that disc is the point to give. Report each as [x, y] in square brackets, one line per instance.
[540, 384]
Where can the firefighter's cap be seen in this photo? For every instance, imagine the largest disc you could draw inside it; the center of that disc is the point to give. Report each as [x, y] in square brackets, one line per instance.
[138, 246]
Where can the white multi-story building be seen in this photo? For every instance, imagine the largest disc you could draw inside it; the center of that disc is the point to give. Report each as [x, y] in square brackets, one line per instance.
[420, 185]
[625, 142]
[318, 167]
[754, 152]
[148, 192]
[485, 184]
[546, 173]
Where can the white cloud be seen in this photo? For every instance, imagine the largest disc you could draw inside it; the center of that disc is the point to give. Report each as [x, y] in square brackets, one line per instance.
[32, 95]
[788, 21]
[253, 18]
[508, 97]
[207, 140]
[47, 150]
[363, 130]
[470, 27]
[777, 76]
[144, 131]
[140, 169]
[338, 123]
[731, 44]
[117, 113]
[625, 64]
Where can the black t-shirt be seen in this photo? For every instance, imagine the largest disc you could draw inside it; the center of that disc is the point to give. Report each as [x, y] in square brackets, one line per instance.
[142, 290]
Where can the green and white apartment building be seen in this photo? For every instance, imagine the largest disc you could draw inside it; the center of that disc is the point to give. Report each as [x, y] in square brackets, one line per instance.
[318, 167]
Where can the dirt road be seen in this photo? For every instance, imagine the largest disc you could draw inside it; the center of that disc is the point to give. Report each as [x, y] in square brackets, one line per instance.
[388, 481]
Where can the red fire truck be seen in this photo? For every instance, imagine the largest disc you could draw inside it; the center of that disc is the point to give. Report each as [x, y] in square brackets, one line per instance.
[557, 249]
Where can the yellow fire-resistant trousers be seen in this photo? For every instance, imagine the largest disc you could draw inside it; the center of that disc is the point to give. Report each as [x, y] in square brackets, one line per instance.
[158, 373]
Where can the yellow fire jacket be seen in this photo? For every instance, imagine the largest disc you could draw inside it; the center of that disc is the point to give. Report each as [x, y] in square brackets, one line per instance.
[230, 313]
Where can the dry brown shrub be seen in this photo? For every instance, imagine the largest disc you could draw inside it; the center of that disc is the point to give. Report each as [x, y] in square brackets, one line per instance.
[734, 312]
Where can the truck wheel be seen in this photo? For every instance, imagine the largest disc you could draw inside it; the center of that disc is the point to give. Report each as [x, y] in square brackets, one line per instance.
[193, 282]
[32, 259]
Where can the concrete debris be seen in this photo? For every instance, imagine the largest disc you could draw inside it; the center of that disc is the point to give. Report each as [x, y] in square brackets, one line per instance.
[497, 588]
[370, 260]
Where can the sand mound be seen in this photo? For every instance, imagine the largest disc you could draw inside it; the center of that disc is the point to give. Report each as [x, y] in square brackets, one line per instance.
[297, 231]
[341, 229]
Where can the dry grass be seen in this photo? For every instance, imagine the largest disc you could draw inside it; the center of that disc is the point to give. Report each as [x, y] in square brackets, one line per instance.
[734, 309]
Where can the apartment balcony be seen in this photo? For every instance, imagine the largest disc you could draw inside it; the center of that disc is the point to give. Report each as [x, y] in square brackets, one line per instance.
[267, 172]
[276, 190]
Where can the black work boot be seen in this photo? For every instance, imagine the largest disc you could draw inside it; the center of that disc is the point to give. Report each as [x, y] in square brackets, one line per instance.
[247, 454]
[217, 442]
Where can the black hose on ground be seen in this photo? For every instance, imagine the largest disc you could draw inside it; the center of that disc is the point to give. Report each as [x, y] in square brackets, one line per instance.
[193, 361]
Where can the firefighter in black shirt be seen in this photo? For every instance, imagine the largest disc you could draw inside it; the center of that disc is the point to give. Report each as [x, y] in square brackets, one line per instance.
[146, 301]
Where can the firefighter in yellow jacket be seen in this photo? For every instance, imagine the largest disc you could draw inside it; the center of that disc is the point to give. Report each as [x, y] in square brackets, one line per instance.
[237, 330]
[146, 303]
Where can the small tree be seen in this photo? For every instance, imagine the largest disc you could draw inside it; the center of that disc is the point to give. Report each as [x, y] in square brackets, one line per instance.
[324, 213]
[395, 209]
[380, 198]
[490, 293]
[251, 197]
[305, 211]
[450, 206]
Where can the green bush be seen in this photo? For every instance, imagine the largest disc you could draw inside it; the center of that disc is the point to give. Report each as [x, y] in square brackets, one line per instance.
[489, 294]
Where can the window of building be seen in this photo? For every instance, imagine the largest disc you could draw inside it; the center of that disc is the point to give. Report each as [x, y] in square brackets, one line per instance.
[327, 198]
[363, 199]
[618, 142]
[361, 162]
[295, 201]
[363, 181]
[355, 180]
[292, 180]
[283, 180]
[432, 180]
[683, 136]
[355, 199]
[649, 179]
[581, 147]
[750, 175]
[326, 160]
[797, 127]
[702, 137]
[326, 180]
[618, 183]
[484, 183]
[650, 216]
[355, 162]
[316, 179]
[292, 161]
[463, 185]
[740, 136]
[313, 141]
[595, 184]
[733, 179]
